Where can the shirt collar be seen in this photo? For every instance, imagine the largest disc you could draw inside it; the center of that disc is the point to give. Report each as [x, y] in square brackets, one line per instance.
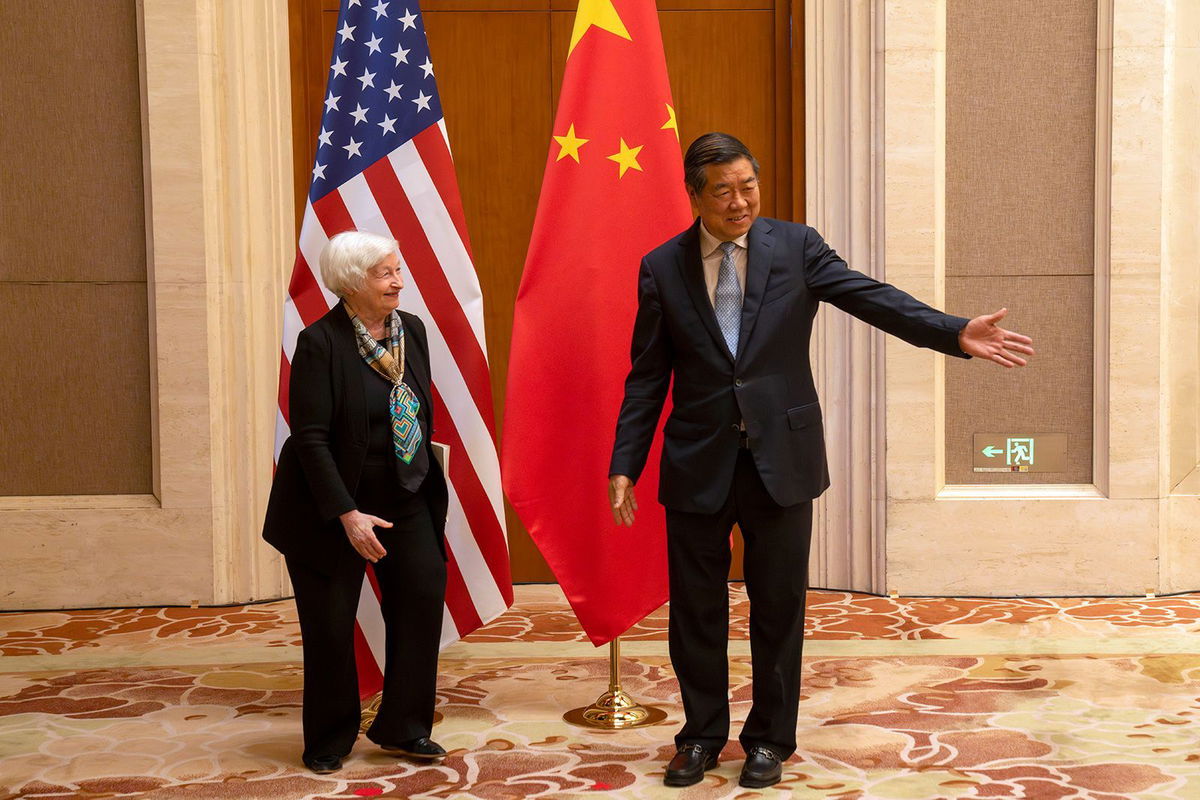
[710, 243]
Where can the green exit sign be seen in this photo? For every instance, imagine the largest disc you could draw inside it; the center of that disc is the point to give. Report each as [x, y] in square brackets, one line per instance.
[1019, 452]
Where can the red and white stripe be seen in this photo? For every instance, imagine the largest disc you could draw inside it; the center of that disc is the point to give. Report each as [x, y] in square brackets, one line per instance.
[412, 196]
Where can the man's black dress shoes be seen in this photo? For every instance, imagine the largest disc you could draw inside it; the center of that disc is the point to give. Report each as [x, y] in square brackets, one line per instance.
[762, 768]
[689, 764]
[323, 765]
[424, 748]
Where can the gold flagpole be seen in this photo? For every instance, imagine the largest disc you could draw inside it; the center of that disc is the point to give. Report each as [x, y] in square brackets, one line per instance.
[615, 710]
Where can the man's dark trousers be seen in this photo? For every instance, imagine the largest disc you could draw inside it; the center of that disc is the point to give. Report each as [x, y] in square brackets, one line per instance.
[698, 559]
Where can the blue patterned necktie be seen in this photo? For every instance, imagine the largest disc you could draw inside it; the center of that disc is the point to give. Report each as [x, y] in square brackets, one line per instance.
[727, 302]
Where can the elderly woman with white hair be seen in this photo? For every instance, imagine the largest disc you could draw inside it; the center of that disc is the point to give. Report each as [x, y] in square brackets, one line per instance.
[357, 482]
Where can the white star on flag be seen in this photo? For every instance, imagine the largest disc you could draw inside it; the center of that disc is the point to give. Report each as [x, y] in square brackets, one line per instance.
[339, 67]
[428, 67]
[373, 44]
[401, 55]
[368, 79]
[380, 9]
[393, 91]
[319, 171]
[323, 137]
[388, 124]
[347, 32]
[422, 101]
[352, 148]
[332, 101]
[359, 113]
[409, 19]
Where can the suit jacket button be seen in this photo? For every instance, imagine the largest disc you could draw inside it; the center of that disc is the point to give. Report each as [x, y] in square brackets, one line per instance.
[737, 382]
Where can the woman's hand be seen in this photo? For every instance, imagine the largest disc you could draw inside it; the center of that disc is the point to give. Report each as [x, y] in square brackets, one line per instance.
[360, 530]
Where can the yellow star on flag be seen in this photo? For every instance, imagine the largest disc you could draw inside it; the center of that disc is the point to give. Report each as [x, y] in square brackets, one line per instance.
[671, 122]
[600, 13]
[569, 145]
[627, 158]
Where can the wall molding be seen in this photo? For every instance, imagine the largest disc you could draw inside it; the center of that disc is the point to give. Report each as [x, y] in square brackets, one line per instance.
[249, 248]
[1102, 245]
[843, 111]
[77, 501]
[1021, 491]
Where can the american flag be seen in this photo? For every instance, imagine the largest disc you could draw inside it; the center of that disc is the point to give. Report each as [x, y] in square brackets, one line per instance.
[383, 165]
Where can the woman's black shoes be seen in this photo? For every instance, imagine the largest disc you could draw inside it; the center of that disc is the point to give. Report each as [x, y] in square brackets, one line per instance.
[424, 749]
[323, 765]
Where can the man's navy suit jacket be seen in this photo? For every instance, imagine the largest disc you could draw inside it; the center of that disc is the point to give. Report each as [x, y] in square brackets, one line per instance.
[768, 384]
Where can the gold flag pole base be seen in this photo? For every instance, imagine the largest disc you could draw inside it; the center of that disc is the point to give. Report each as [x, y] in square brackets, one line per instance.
[615, 710]
[370, 708]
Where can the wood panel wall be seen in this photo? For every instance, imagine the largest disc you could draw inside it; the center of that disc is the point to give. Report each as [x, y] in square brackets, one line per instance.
[499, 67]
[74, 337]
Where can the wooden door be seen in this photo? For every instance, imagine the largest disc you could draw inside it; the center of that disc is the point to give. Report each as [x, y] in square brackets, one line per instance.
[734, 66]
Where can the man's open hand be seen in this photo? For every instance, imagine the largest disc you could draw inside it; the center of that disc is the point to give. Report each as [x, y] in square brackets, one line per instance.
[983, 338]
[621, 499]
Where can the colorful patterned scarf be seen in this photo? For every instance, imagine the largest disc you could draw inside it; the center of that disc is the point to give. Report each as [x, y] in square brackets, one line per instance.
[389, 362]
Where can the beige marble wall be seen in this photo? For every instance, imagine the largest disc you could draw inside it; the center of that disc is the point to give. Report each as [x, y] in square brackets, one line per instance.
[220, 237]
[250, 238]
[1136, 528]
[1180, 562]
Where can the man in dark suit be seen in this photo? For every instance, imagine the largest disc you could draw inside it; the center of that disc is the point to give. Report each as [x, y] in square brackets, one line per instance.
[726, 308]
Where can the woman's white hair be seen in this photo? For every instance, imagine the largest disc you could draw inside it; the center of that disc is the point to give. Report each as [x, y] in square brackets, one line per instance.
[347, 257]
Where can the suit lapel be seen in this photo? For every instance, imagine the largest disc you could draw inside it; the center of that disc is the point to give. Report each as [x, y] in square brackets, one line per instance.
[353, 391]
[415, 369]
[691, 269]
[760, 249]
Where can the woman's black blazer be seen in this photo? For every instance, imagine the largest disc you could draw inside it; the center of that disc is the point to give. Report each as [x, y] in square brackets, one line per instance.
[320, 463]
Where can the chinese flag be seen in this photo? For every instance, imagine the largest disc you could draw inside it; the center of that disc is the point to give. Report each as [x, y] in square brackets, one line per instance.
[613, 190]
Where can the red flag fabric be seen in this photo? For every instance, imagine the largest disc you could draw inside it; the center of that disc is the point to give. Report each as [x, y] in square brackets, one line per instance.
[383, 165]
[613, 190]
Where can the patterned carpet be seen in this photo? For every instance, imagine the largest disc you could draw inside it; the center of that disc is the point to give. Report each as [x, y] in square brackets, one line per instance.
[904, 699]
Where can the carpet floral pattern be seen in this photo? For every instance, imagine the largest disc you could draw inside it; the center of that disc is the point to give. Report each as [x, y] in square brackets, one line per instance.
[904, 699]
